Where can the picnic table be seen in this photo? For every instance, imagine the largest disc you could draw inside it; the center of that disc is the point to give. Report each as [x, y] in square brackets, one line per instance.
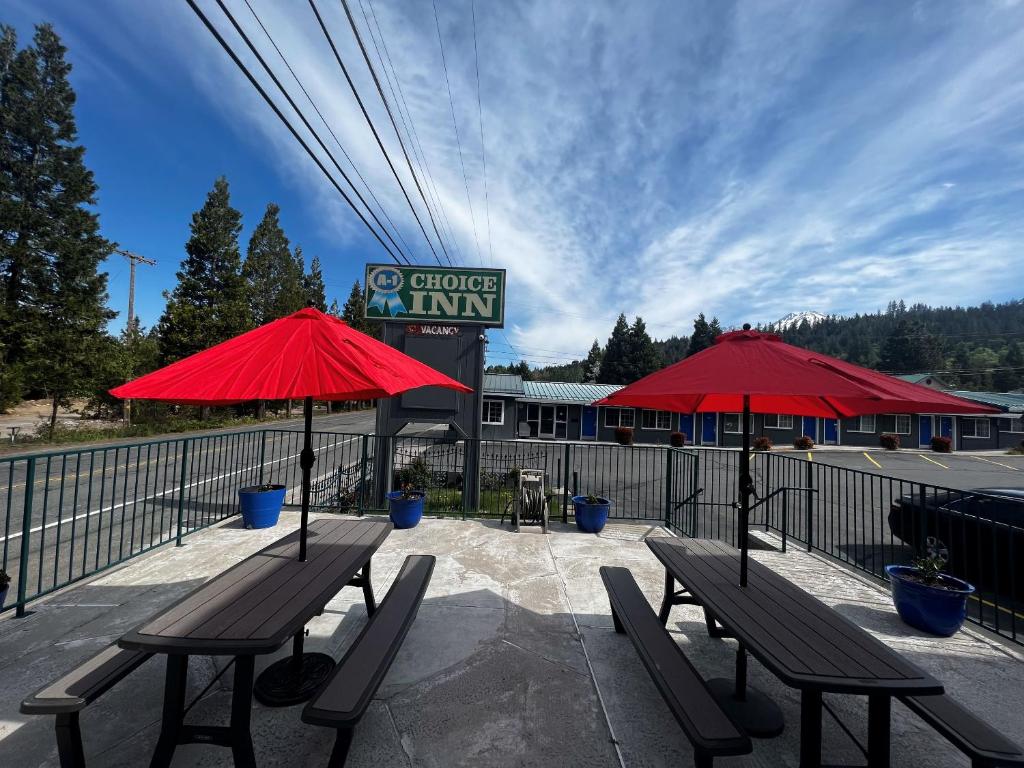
[251, 609]
[802, 641]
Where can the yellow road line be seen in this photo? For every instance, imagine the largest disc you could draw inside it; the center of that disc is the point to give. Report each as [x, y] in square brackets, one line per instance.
[997, 463]
[868, 457]
[933, 461]
[810, 456]
[990, 604]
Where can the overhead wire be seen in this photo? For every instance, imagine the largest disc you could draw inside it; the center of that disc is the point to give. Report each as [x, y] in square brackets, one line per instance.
[391, 117]
[483, 152]
[455, 124]
[373, 128]
[277, 111]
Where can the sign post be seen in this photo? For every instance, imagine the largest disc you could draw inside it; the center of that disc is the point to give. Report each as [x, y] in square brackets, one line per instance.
[438, 316]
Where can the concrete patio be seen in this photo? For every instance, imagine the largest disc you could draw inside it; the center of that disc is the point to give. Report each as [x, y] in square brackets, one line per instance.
[512, 660]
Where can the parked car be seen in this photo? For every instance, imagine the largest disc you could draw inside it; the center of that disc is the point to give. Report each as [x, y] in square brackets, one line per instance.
[983, 530]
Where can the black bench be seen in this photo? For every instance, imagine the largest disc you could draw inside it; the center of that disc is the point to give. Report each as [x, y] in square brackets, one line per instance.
[69, 695]
[710, 730]
[986, 747]
[343, 699]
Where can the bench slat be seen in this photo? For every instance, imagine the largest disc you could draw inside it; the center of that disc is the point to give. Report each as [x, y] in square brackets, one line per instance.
[709, 729]
[347, 693]
[969, 733]
[87, 682]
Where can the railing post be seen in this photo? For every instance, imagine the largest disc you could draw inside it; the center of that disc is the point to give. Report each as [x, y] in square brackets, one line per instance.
[364, 455]
[922, 525]
[809, 503]
[785, 517]
[668, 487]
[694, 507]
[565, 485]
[263, 455]
[183, 476]
[26, 526]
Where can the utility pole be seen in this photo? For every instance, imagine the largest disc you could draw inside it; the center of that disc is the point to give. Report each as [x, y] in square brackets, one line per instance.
[133, 259]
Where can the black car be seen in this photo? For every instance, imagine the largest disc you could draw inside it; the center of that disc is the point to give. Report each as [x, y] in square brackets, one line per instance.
[981, 529]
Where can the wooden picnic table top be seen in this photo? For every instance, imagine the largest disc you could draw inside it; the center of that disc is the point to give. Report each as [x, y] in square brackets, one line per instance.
[802, 641]
[260, 603]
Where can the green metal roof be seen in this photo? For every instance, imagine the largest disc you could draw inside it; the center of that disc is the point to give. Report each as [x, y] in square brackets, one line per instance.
[1010, 402]
[567, 392]
[503, 384]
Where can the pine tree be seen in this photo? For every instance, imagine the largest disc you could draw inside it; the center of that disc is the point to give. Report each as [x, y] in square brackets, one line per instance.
[313, 286]
[52, 298]
[592, 365]
[210, 302]
[643, 357]
[291, 295]
[910, 348]
[704, 334]
[273, 276]
[354, 312]
[615, 363]
[334, 310]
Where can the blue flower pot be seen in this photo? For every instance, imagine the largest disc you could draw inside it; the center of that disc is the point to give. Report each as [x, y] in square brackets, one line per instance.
[3, 597]
[405, 513]
[590, 518]
[261, 508]
[935, 610]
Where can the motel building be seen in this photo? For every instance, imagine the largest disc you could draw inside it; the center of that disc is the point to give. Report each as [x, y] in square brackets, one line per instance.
[550, 410]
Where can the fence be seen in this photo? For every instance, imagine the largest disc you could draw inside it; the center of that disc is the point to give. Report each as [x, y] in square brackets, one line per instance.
[70, 514]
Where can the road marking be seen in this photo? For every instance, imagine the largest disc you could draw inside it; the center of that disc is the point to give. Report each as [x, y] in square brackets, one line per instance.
[997, 463]
[933, 461]
[868, 457]
[990, 604]
[810, 456]
[61, 521]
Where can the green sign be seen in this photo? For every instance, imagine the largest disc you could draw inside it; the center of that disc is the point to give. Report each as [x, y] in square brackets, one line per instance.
[437, 294]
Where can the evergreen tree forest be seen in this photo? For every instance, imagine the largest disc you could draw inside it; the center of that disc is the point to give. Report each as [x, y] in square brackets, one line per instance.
[54, 313]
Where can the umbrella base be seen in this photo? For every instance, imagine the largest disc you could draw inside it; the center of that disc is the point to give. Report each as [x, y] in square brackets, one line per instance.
[285, 682]
[756, 714]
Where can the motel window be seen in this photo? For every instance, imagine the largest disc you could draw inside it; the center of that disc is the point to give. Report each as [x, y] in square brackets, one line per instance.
[657, 419]
[778, 421]
[971, 427]
[1014, 426]
[618, 417]
[494, 412]
[732, 423]
[902, 423]
[867, 424]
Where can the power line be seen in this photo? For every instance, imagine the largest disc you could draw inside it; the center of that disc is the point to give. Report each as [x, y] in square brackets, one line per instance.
[410, 127]
[391, 117]
[455, 124]
[483, 153]
[270, 102]
[373, 128]
[337, 141]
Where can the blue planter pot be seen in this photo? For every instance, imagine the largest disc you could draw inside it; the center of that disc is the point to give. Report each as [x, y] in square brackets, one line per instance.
[934, 610]
[3, 597]
[590, 518]
[405, 513]
[261, 508]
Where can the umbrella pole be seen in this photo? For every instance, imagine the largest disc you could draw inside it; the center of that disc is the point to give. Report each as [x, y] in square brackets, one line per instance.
[306, 461]
[746, 486]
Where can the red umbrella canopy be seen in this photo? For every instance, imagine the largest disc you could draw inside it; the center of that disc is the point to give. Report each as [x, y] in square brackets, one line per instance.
[307, 354]
[780, 378]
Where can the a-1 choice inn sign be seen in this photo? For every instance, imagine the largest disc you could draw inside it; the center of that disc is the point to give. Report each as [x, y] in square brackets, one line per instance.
[435, 294]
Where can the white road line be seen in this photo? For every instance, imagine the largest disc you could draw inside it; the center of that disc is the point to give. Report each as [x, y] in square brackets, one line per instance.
[55, 523]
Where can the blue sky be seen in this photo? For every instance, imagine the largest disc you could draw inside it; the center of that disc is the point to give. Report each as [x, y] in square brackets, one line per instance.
[745, 159]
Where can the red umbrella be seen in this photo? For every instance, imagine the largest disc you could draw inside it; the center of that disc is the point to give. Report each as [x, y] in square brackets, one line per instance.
[756, 372]
[308, 355]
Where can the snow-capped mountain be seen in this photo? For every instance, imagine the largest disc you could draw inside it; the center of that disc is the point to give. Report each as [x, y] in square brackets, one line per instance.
[794, 319]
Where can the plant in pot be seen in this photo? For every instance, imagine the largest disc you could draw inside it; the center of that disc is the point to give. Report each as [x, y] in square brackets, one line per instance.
[762, 443]
[677, 439]
[942, 444]
[591, 512]
[406, 506]
[5, 584]
[803, 443]
[261, 504]
[624, 435]
[889, 441]
[927, 598]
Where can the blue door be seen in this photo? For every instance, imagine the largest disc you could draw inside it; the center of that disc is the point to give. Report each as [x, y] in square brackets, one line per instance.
[831, 431]
[810, 428]
[686, 426]
[946, 426]
[924, 431]
[709, 428]
[588, 425]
